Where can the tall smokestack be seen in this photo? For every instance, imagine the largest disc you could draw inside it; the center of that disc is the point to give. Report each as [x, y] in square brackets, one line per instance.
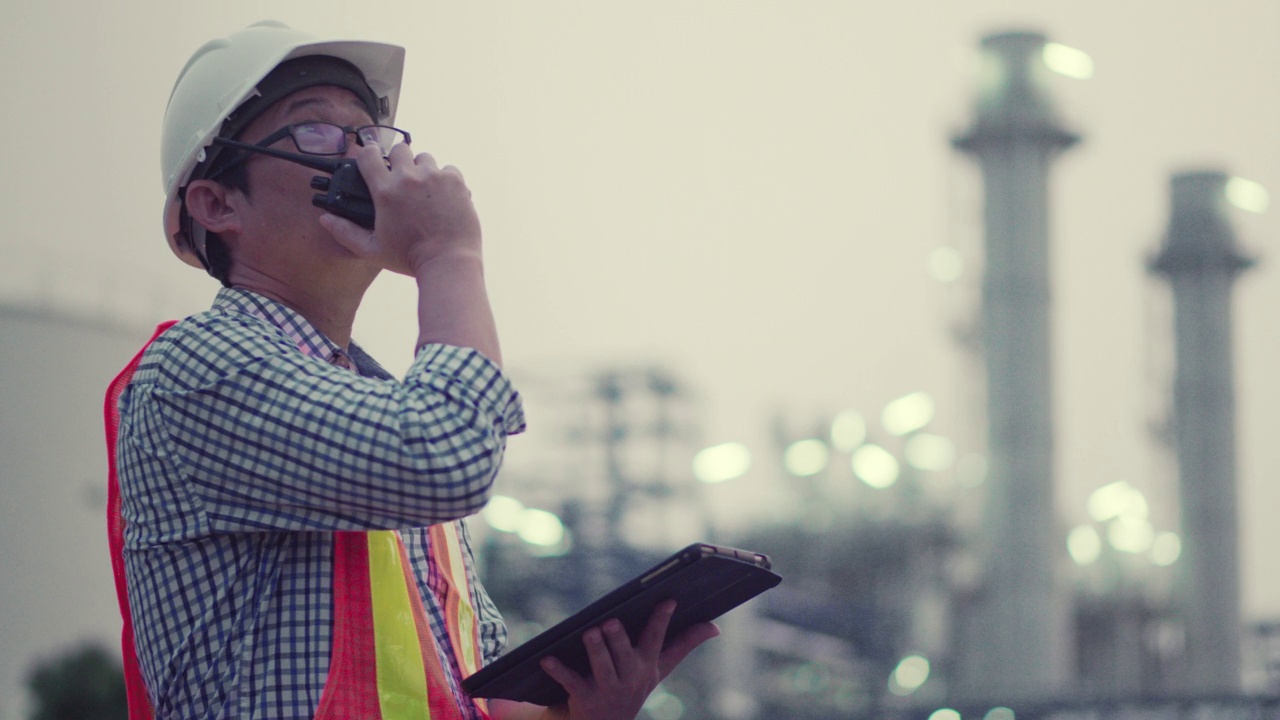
[1201, 261]
[1015, 643]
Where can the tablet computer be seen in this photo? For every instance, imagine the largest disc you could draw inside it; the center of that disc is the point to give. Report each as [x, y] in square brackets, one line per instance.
[705, 580]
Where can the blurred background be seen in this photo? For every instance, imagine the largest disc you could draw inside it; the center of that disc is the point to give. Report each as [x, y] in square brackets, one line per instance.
[951, 308]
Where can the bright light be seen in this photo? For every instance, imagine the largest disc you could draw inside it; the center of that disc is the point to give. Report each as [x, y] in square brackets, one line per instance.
[539, 527]
[971, 471]
[1166, 549]
[1068, 61]
[848, 430]
[1115, 500]
[719, 463]
[1247, 195]
[875, 466]
[735, 703]
[806, 457]
[503, 513]
[1130, 534]
[929, 452]
[998, 713]
[810, 678]
[946, 264]
[910, 674]
[662, 705]
[944, 714]
[907, 413]
[1084, 545]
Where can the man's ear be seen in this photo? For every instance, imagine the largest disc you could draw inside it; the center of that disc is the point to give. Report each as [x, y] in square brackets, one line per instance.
[209, 204]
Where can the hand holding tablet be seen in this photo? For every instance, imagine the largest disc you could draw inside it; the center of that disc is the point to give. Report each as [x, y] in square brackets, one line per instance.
[705, 580]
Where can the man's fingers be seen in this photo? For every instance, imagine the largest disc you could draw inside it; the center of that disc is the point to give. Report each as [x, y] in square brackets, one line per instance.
[425, 159]
[599, 656]
[681, 646]
[572, 682]
[625, 660]
[401, 154]
[373, 167]
[655, 631]
[348, 234]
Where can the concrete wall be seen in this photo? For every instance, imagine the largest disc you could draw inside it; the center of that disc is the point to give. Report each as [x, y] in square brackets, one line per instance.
[56, 588]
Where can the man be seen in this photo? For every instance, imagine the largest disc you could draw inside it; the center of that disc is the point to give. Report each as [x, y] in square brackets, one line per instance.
[290, 533]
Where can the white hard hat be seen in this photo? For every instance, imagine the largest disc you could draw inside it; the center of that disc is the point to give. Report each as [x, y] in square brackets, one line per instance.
[222, 75]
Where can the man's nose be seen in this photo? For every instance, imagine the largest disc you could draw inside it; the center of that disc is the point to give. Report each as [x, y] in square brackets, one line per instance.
[353, 144]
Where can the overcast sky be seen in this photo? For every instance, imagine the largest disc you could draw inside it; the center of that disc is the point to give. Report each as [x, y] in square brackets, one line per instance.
[744, 191]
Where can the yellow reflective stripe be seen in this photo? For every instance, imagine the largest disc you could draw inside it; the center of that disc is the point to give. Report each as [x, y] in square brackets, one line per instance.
[402, 679]
[466, 613]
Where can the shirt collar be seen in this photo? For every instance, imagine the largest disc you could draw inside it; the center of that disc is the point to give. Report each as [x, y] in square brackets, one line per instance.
[309, 340]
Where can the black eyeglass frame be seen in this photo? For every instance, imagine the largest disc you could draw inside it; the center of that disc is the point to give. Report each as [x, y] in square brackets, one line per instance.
[321, 162]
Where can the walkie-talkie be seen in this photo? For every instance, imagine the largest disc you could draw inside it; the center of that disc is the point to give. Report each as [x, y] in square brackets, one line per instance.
[345, 194]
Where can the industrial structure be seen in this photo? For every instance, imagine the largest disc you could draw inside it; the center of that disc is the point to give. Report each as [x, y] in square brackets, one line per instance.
[56, 588]
[1015, 640]
[621, 487]
[901, 607]
[1201, 260]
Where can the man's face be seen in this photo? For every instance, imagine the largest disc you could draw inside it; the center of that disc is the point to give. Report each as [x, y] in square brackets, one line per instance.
[279, 203]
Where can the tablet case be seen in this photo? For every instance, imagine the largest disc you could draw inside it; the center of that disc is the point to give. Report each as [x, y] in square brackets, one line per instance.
[705, 580]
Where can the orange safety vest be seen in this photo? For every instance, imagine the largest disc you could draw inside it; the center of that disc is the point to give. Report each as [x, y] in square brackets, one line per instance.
[383, 664]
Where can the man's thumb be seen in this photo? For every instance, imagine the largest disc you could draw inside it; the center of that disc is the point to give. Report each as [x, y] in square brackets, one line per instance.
[348, 234]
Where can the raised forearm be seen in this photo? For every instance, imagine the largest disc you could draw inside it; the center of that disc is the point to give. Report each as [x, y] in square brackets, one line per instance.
[453, 304]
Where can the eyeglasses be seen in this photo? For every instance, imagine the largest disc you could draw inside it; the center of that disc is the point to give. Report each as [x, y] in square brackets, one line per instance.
[322, 138]
[318, 138]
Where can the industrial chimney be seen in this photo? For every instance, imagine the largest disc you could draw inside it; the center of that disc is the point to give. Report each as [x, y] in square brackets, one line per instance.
[1201, 261]
[1015, 643]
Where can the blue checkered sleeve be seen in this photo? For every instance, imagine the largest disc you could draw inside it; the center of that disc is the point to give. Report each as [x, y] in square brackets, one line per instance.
[273, 439]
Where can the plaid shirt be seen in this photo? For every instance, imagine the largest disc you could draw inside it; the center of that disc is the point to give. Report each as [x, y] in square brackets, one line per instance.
[244, 443]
